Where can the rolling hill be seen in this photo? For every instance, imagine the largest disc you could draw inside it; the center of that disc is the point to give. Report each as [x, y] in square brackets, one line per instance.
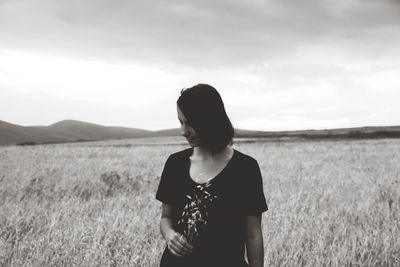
[64, 131]
[14, 134]
[90, 131]
[76, 131]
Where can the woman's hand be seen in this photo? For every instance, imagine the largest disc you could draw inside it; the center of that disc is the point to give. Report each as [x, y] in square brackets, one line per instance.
[178, 244]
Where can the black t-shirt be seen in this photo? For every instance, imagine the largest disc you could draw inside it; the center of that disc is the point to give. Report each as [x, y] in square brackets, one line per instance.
[239, 192]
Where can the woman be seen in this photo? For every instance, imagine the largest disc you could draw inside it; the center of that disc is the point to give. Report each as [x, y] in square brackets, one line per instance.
[212, 195]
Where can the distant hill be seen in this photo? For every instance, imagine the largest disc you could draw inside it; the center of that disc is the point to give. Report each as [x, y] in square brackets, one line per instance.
[90, 131]
[65, 131]
[14, 134]
[355, 133]
[76, 131]
[168, 132]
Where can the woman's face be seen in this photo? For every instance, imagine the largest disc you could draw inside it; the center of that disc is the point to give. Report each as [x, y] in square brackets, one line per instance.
[186, 130]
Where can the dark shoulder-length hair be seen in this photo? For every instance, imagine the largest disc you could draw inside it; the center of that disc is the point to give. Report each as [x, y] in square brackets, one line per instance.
[205, 112]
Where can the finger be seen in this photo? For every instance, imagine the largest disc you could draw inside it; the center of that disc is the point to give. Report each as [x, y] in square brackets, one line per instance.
[175, 251]
[178, 247]
[185, 243]
[182, 245]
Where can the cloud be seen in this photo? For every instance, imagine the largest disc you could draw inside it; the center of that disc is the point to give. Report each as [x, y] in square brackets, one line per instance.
[126, 84]
[285, 61]
[199, 33]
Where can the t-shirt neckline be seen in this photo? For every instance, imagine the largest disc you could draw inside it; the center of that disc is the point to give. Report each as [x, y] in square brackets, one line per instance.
[216, 176]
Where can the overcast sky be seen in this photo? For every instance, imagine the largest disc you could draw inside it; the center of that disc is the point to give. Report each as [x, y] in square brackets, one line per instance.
[278, 64]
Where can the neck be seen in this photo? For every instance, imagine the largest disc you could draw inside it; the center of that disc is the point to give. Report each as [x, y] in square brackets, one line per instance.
[205, 153]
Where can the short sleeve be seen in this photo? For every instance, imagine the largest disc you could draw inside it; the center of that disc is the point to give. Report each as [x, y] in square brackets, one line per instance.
[167, 185]
[255, 202]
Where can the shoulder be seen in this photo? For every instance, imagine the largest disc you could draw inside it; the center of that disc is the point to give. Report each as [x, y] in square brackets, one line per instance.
[245, 158]
[180, 155]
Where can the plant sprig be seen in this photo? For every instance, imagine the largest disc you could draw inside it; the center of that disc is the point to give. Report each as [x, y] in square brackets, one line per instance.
[195, 212]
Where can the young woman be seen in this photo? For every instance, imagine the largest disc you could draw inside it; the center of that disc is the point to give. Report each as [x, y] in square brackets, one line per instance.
[212, 194]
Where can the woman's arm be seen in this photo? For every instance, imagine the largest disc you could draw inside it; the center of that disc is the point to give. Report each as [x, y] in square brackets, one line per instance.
[177, 243]
[254, 241]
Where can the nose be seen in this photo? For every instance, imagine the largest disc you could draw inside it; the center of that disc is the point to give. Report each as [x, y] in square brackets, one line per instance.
[184, 130]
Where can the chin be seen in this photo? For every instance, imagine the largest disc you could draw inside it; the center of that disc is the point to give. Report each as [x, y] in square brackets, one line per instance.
[193, 144]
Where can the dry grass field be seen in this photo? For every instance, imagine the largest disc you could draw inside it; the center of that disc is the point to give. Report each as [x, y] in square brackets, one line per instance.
[332, 203]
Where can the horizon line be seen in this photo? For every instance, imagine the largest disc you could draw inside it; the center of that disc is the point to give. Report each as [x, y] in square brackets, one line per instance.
[242, 129]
